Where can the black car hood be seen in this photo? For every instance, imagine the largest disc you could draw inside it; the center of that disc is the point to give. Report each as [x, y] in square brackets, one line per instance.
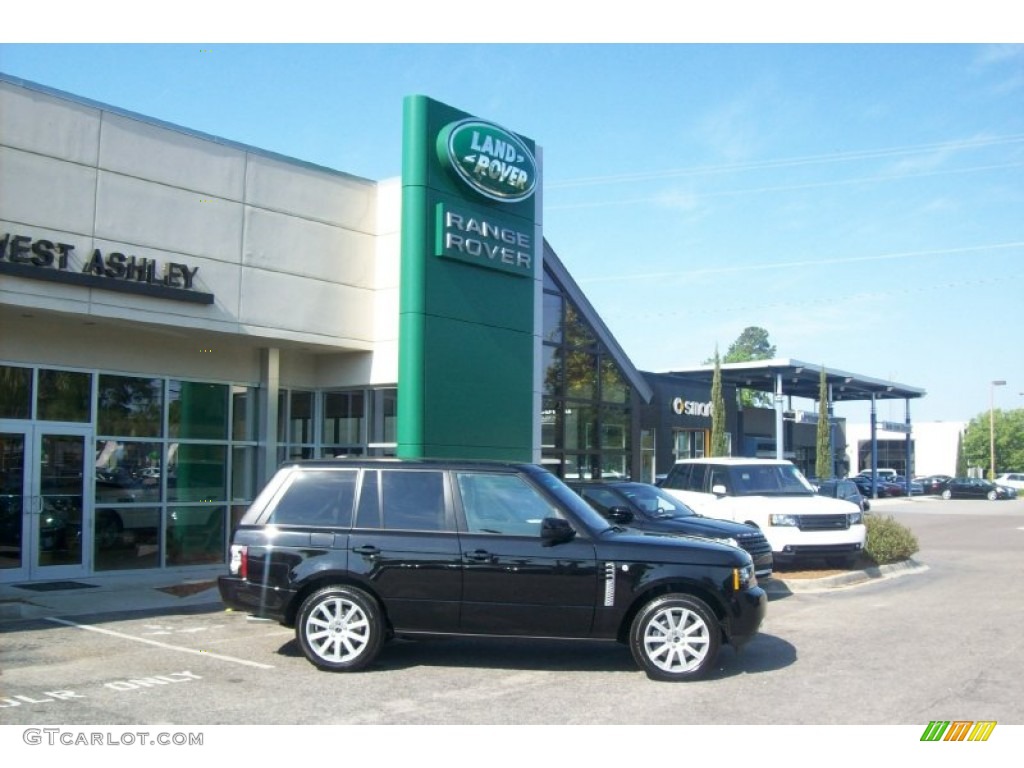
[675, 547]
[695, 526]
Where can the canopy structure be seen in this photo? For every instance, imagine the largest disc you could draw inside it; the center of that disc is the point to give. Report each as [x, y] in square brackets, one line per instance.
[794, 378]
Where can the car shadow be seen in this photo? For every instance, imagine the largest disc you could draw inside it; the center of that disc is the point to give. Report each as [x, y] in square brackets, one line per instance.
[765, 653]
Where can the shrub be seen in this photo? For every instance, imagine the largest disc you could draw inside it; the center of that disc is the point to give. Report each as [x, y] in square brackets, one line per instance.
[888, 541]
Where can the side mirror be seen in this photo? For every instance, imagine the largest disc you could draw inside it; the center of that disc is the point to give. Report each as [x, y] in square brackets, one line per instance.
[555, 530]
[621, 515]
[719, 490]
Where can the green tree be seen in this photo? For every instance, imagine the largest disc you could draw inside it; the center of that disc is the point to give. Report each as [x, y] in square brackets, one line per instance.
[823, 465]
[1008, 428]
[718, 442]
[751, 344]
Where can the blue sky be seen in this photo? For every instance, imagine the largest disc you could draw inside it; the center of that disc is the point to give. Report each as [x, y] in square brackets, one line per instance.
[863, 203]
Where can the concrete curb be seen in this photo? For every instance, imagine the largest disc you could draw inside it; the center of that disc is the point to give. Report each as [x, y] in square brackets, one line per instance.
[777, 586]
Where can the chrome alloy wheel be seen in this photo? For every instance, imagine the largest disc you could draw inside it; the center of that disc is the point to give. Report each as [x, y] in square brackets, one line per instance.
[677, 639]
[337, 630]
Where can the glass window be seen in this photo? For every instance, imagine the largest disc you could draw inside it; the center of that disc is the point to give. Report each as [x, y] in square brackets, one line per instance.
[580, 427]
[344, 416]
[300, 417]
[15, 392]
[551, 378]
[195, 535]
[552, 318]
[580, 374]
[129, 406]
[198, 410]
[244, 412]
[502, 504]
[613, 384]
[577, 332]
[243, 472]
[413, 500]
[65, 396]
[196, 472]
[128, 471]
[318, 498]
[126, 538]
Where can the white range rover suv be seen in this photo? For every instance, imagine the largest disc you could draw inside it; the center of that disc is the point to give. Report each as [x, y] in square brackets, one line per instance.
[773, 495]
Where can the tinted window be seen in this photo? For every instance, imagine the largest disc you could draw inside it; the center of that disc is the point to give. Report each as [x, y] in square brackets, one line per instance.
[678, 477]
[413, 501]
[318, 497]
[500, 503]
[603, 499]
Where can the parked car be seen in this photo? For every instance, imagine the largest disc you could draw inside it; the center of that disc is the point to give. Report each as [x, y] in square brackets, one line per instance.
[844, 489]
[915, 488]
[933, 485]
[1011, 480]
[354, 552]
[648, 508]
[883, 488]
[974, 488]
[773, 495]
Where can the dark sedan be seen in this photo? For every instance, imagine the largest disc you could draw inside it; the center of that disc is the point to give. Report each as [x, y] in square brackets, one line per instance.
[884, 489]
[974, 488]
[846, 490]
[933, 485]
[649, 508]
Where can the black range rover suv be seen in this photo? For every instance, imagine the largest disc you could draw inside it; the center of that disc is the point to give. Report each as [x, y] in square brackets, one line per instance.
[354, 552]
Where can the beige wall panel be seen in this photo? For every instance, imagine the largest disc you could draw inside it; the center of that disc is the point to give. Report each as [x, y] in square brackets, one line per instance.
[283, 243]
[44, 192]
[48, 125]
[323, 312]
[136, 148]
[143, 213]
[335, 198]
[125, 347]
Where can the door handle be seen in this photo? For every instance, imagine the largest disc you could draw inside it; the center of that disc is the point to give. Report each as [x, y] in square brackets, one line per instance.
[479, 555]
[367, 550]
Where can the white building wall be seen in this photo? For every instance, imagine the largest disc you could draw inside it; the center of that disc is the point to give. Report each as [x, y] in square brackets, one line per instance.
[298, 257]
[935, 444]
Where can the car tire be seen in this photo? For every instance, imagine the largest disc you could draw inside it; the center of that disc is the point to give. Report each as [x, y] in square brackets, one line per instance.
[947, 494]
[340, 629]
[992, 495]
[675, 637]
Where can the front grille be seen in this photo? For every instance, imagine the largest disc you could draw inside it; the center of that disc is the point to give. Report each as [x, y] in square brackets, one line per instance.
[823, 522]
[754, 543]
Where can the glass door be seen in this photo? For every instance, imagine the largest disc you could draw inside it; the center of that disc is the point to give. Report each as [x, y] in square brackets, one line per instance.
[44, 506]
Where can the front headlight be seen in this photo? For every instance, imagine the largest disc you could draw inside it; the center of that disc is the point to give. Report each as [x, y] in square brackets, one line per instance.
[790, 520]
[743, 578]
[856, 518]
[728, 540]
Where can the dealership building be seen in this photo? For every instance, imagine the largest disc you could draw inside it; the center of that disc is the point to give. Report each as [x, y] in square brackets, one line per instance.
[181, 313]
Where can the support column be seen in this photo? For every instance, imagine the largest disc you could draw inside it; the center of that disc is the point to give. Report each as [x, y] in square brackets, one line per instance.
[270, 387]
[779, 436]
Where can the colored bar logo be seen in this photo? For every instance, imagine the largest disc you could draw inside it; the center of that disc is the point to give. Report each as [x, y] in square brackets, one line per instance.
[958, 730]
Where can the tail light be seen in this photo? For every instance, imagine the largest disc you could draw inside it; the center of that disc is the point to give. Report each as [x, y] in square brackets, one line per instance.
[239, 561]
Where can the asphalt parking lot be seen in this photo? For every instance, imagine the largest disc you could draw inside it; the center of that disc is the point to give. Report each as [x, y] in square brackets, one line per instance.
[941, 640]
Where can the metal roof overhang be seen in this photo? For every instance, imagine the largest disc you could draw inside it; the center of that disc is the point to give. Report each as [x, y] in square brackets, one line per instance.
[800, 379]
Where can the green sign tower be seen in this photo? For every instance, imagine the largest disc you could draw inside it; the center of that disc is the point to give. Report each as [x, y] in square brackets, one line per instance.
[470, 288]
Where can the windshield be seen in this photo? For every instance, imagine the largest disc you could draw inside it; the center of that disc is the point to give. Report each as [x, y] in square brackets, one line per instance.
[654, 502]
[768, 480]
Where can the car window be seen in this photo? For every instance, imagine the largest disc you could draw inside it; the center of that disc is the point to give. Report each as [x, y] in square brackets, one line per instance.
[656, 502]
[678, 477]
[502, 503]
[317, 497]
[402, 500]
[603, 499]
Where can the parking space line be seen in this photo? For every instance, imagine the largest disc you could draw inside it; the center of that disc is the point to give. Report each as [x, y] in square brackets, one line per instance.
[158, 644]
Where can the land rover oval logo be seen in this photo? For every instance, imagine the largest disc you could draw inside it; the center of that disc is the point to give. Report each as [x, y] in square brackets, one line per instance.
[492, 161]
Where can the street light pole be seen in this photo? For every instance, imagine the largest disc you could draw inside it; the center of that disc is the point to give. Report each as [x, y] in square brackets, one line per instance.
[992, 426]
